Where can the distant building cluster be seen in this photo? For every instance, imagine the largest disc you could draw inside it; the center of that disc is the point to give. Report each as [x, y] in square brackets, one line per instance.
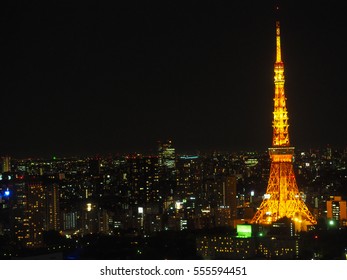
[140, 195]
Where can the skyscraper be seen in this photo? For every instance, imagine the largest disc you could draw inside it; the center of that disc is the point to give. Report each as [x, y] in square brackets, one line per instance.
[6, 164]
[167, 168]
[52, 207]
[35, 212]
[167, 155]
[34, 209]
[229, 195]
[282, 198]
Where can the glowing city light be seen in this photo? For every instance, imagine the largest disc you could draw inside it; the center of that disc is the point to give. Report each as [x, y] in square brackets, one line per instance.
[89, 207]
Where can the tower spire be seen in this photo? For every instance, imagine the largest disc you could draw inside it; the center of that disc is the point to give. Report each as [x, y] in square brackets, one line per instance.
[280, 122]
[278, 43]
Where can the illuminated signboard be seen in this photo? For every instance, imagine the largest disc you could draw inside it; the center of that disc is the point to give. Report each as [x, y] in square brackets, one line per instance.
[244, 231]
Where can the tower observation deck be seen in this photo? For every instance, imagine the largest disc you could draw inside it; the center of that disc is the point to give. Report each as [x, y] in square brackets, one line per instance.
[282, 198]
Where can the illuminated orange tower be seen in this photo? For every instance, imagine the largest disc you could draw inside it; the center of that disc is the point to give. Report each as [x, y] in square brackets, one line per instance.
[282, 198]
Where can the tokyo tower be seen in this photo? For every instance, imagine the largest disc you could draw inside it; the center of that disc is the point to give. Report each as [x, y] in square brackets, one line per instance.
[282, 198]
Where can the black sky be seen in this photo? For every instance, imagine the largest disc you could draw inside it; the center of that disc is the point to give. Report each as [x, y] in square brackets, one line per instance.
[95, 78]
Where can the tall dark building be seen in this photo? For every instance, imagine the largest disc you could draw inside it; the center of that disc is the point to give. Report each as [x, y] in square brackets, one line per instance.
[229, 195]
[142, 179]
[94, 166]
[34, 209]
[189, 178]
[52, 207]
[221, 195]
[167, 168]
[35, 212]
[5, 207]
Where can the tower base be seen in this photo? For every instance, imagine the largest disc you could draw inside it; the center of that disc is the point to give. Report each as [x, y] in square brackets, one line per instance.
[282, 198]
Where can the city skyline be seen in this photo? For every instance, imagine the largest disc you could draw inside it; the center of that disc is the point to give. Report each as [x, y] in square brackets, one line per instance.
[142, 207]
[89, 80]
[142, 131]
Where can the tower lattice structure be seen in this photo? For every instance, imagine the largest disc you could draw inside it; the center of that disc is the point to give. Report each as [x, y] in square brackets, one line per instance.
[282, 198]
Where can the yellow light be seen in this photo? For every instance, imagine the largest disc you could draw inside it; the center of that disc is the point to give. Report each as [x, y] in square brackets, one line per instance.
[280, 199]
[89, 207]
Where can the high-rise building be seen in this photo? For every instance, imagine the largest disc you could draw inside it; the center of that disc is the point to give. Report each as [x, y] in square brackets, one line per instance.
[221, 195]
[337, 210]
[34, 209]
[229, 195]
[142, 180]
[19, 213]
[5, 208]
[167, 155]
[6, 164]
[189, 178]
[52, 207]
[167, 168]
[35, 212]
[69, 221]
[282, 198]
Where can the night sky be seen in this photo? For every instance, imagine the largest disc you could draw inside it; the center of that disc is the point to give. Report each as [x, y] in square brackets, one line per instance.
[100, 79]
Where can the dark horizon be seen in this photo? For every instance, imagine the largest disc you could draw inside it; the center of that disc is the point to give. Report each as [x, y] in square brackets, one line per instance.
[153, 152]
[92, 79]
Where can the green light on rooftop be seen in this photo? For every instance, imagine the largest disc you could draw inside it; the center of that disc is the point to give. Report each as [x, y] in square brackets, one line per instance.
[244, 231]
